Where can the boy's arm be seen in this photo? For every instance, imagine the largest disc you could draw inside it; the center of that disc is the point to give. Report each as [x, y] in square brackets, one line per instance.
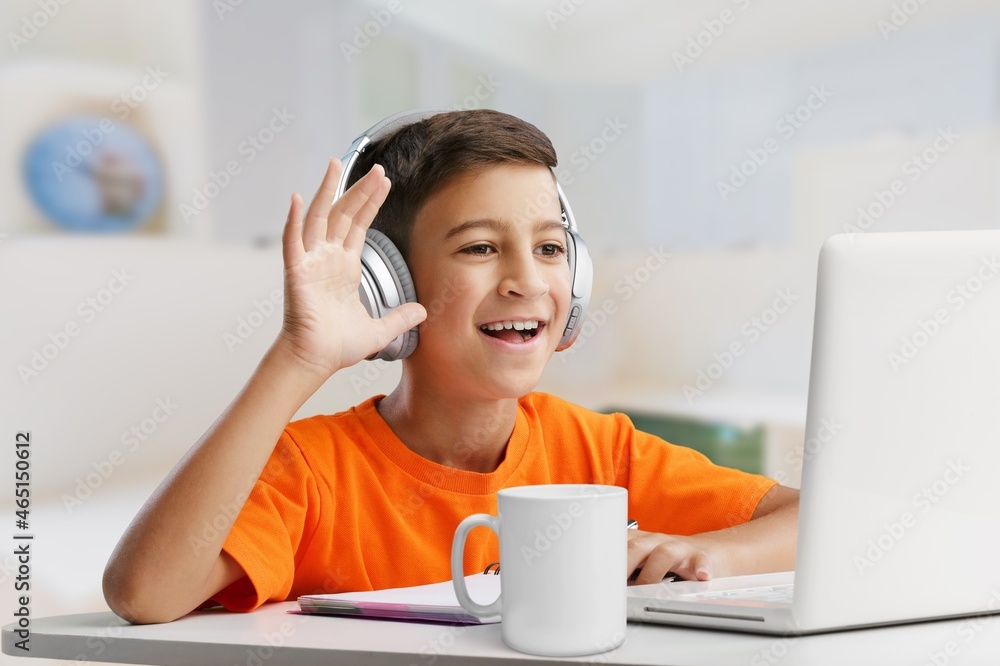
[154, 574]
[766, 543]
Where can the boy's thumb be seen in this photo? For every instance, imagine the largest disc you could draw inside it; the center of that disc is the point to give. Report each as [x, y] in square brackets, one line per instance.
[399, 321]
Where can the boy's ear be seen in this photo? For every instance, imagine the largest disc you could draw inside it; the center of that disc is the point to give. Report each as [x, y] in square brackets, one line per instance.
[581, 271]
[385, 285]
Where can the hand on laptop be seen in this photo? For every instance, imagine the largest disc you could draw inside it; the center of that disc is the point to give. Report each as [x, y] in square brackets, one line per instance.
[659, 555]
[766, 543]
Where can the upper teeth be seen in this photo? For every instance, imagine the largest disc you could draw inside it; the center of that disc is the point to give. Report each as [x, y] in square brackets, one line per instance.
[508, 324]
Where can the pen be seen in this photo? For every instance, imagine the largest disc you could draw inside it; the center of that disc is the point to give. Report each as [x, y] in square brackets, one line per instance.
[633, 524]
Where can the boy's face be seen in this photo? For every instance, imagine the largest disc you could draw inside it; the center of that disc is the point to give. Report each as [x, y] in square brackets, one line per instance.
[489, 248]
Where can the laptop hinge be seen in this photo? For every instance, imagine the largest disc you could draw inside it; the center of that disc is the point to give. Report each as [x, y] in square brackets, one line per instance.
[725, 616]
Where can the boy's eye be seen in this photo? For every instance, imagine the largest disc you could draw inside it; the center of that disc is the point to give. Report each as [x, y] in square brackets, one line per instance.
[552, 249]
[479, 249]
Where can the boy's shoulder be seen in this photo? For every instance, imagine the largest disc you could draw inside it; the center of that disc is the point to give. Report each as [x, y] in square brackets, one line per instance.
[550, 409]
[546, 405]
[352, 422]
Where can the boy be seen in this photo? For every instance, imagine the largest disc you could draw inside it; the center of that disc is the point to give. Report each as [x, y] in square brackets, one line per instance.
[370, 498]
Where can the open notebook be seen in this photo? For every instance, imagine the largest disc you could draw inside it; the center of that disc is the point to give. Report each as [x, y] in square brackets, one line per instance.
[435, 602]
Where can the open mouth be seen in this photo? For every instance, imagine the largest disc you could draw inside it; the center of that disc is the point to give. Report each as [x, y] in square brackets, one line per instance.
[515, 332]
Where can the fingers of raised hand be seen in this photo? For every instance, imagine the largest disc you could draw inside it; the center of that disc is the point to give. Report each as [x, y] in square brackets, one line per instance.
[291, 237]
[314, 229]
[343, 222]
[354, 212]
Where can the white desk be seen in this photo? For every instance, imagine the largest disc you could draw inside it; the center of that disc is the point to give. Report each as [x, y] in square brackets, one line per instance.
[270, 636]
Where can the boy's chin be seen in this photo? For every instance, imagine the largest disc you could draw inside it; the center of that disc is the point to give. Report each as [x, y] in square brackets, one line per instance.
[518, 389]
[507, 388]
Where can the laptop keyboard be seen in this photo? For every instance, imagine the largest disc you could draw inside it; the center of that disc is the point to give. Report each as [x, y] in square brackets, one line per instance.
[773, 594]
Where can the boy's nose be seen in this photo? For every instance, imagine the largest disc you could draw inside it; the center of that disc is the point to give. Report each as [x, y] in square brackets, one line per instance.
[522, 277]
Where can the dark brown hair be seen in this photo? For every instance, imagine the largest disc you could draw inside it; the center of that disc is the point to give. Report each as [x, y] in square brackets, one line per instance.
[422, 157]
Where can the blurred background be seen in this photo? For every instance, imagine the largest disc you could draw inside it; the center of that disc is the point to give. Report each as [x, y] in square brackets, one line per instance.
[148, 151]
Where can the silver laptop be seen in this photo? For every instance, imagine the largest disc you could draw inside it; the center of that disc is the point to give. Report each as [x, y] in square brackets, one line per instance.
[900, 508]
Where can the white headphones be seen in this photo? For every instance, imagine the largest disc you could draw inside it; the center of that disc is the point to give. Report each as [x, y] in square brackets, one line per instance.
[385, 280]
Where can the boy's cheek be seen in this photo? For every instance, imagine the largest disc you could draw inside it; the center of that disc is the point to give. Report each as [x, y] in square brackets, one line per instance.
[448, 291]
[446, 297]
[561, 286]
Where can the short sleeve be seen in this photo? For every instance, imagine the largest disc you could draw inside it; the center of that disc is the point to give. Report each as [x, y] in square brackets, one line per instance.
[677, 490]
[270, 528]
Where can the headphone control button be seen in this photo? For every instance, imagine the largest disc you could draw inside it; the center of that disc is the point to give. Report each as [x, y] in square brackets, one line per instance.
[573, 316]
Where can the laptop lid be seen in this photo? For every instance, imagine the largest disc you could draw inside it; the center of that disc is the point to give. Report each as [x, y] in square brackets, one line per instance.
[899, 517]
[900, 505]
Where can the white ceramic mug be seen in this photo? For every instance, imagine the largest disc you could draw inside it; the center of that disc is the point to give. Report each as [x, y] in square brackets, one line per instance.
[563, 555]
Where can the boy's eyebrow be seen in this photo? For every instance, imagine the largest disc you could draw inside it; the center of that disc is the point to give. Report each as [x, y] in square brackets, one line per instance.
[498, 225]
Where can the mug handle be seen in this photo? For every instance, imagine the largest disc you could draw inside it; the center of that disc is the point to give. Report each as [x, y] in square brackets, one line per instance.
[458, 570]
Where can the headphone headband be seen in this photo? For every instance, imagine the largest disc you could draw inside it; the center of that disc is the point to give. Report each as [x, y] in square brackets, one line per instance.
[397, 121]
[377, 132]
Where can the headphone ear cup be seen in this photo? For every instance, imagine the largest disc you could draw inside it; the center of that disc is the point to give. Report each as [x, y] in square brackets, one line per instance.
[385, 285]
[581, 268]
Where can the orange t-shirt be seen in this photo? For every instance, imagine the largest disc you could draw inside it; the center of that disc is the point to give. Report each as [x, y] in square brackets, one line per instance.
[343, 505]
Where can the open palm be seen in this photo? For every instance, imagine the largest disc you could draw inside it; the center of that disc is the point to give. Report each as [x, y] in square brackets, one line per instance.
[325, 325]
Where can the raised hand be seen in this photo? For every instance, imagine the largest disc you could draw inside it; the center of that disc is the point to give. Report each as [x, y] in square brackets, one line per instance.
[326, 327]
